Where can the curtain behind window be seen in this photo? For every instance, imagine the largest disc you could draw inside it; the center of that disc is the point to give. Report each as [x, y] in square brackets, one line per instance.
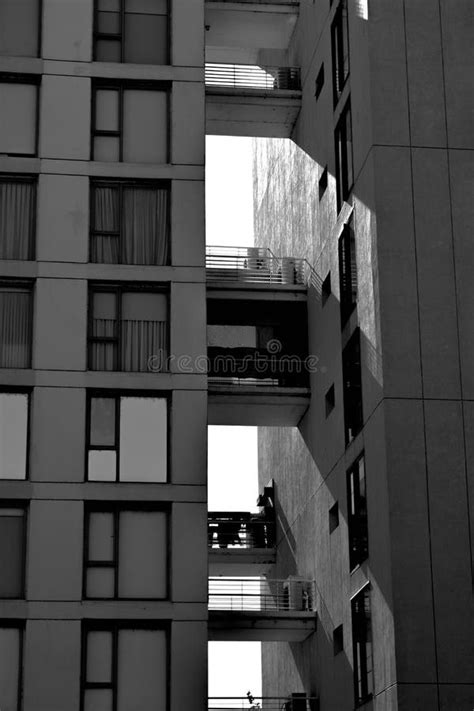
[17, 208]
[15, 329]
[145, 226]
[141, 340]
[105, 241]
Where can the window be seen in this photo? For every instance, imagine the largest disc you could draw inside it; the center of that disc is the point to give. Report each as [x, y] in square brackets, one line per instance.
[11, 667]
[15, 324]
[17, 217]
[319, 82]
[12, 550]
[127, 438]
[344, 164]
[126, 554]
[128, 330]
[18, 119]
[330, 399]
[352, 385]
[323, 183]
[362, 646]
[340, 49]
[19, 38]
[129, 223]
[338, 640]
[125, 666]
[357, 514]
[130, 123]
[333, 517]
[347, 271]
[133, 31]
[13, 435]
[326, 289]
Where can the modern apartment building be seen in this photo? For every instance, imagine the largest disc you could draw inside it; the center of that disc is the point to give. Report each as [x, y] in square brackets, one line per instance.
[351, 349]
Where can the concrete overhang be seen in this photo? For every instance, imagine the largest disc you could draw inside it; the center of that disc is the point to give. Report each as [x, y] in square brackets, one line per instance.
[261, 627]
[251, 112]
[255, 292]
[256, 405]
[243, 562]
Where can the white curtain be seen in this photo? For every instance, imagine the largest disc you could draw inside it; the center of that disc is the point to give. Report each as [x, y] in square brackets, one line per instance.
[142, 340]
[17, 208]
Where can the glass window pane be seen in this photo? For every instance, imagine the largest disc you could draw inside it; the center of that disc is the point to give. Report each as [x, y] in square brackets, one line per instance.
[102, 465]
[146, 39]
[106, 110]
[107, 148]
[106, 208]
[99, 657]
[11, 552]
[98, 700]
[100, 583]
[105, 305]
[15, 328]
[150, 7]
[10, 649]
[17, 216]
[108, 22]
[108, 50]
[145, 126]
[13, 435]
[142, 670]
[109, 5]
[145, 228]
[143, 439]
[17, 37]
[101, 536]
[143, 554]
[102, 432]
[18, 118]
[138, 306]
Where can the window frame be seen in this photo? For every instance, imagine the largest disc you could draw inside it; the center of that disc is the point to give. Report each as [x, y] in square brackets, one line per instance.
[119, 289]
[13, 390]
[116, 508]
[17, 624]
[367, 680]
[31, 80]
[121, 38]
[117, 395]
[122, 86]
[357, 520]
[114, 627]
[22, 286]
[344, 185]
[21, 505]
[339, 29]
[121, 185]
[31, 179]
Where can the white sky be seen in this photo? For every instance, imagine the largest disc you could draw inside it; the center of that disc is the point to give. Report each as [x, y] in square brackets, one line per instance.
[234, 667]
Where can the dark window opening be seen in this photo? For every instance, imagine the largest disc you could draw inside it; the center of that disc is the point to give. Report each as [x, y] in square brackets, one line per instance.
[362, 647]
[18, 217]
[330, 400]
[16, 320]
[347, 272]
[19, 102]
[352, 387]
[319, 82]
[338, 640]
[12, 551]
[333, 517]
[357, 514]
[11, 664]
[323, 183]
[326, 289]
[20, 38]
[344, 161]
[340, 49]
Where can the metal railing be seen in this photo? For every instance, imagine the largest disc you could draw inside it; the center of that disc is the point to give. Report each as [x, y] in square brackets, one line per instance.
[261, 595]
[256, 265]
[248, 76]
[265, 703]
[240, 530]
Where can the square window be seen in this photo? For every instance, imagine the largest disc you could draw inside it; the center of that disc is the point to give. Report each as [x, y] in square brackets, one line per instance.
[18, 120]
[330, 400]
[18, 217]
[14, 412]
[323, 183]
[326, 289]
[12, 551]
[319, 82]
[333, 517]
[338, 640]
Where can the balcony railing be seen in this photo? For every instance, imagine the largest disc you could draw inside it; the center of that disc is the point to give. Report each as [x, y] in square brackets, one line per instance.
[256, 265]
[265, 703]
[261, 595]
[247, 76]
[240, 530]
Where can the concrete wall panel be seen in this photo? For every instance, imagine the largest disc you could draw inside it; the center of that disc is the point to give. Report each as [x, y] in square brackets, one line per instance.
[187, 223]
[189, 437]
[63, 218]
[189, 666]
[67, 30]
[187, 128]
[188, 326]
[187, 33]
[189, 553]
[65, 117]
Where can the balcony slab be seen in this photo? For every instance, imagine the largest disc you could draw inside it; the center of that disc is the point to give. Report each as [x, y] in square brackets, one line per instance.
[260, 627]
[235, 562]
[239, 405]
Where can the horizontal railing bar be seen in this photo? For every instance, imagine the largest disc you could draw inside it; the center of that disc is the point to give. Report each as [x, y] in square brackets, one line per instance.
[252, 76]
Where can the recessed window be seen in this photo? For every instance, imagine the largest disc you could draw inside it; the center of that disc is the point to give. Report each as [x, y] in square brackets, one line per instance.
[347, 272]
[19, 102]
[125, 667]
[129, 223]
[12, 551]
[357, 523]
[330, 400]
[362, 647]
[333, 517]
[326, 289]
[130, 123]
[134, 31]
[126, 554]
[11, 653]
[338, 640]
[18, 217]
[319, 82]
[344, 161]
[340, 49]
[19, 37]
[127, 439]
[128, 330]
[323, 183]
[13, 435]
[352, 387]
[15, 325]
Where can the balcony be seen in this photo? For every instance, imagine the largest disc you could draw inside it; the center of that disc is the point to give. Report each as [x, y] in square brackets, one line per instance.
[295, 702]
[240, 543]
[252, 267]
[252, 100]
[264, 609]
